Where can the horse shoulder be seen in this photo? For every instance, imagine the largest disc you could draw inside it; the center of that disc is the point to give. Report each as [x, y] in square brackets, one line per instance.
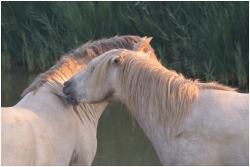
[54, 125]
[63, 128]
[39, 123]
[17, 136]
[219, 124]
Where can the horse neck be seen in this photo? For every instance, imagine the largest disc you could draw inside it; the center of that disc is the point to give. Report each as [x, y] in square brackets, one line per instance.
[65, 71]
[54, 78]
[145, 118]
[90, 112]
[164, 101]
[85, 112]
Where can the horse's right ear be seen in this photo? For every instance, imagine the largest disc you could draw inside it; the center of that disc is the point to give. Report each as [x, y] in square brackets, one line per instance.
[116, 60]
[142, 44]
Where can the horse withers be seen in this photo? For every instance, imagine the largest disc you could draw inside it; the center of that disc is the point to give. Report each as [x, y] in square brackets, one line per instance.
[188, 122]
[42, 128]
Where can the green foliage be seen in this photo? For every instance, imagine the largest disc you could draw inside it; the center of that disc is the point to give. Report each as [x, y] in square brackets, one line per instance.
[206, 40]
[5, 58]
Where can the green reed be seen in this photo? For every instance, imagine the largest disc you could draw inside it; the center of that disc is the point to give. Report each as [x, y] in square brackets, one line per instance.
[5, 58]
[205, 40]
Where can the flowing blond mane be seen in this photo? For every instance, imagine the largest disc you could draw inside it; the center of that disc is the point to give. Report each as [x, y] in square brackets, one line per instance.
[77, 59]
[141, 79]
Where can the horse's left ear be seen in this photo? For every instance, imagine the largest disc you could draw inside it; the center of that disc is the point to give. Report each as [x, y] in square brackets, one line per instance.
[142, 44]
[117, 60]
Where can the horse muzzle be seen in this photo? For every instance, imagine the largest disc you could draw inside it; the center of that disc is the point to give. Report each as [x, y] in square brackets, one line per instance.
[67, 90]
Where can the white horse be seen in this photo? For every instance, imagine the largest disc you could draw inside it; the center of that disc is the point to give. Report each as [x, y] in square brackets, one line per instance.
[42, 128]
[188, 122]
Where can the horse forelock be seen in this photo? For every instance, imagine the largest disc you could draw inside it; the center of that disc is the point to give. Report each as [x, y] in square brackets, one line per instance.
[77, 59]
[173, 94]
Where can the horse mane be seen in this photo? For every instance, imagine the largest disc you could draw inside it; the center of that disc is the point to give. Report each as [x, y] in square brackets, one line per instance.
[141, 78]
[77, 59]
[172, 93]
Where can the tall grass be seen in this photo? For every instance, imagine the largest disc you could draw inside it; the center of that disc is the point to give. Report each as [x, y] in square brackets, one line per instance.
[206, 40]
[5, 58]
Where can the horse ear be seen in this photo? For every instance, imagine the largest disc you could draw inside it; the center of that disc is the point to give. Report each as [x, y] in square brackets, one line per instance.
[142, 44]
[117, 60]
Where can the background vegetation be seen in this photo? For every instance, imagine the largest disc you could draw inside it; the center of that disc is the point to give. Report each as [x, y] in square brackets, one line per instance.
[205, 40]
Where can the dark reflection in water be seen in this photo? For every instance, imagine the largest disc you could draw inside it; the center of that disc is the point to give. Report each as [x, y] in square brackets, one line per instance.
[12, 85]
[119, 142]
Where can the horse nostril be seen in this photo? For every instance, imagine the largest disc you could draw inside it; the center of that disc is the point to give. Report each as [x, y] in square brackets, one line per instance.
[66, 83]
[79, 97]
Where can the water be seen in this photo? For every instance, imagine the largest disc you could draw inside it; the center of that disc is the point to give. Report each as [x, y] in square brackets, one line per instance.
[119, 142]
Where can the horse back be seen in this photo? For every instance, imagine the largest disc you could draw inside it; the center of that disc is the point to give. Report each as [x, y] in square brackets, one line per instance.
[221, 120]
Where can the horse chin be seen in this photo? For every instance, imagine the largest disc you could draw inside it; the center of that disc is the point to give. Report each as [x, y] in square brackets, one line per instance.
[72, 101]
[75, 103]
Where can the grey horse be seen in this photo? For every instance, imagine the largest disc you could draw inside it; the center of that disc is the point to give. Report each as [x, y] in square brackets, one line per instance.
[42, 128]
